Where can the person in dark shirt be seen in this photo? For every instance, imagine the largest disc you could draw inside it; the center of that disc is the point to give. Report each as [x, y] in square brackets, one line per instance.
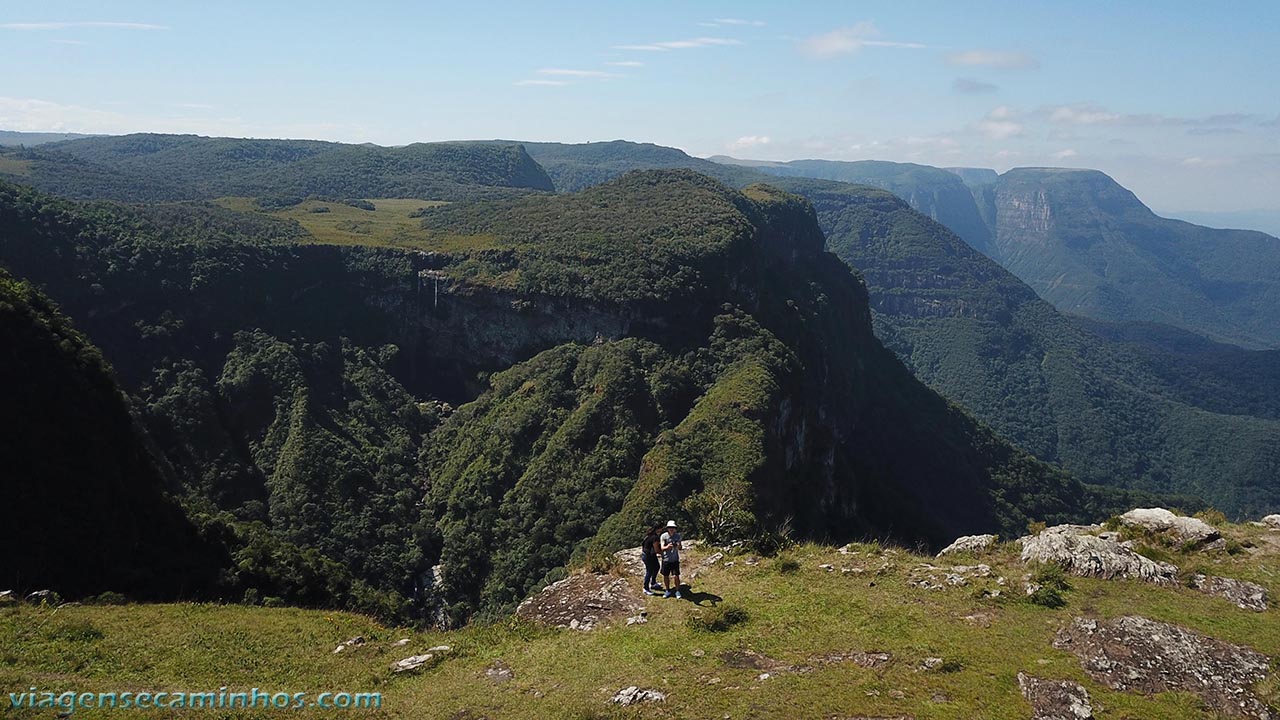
[649, 553]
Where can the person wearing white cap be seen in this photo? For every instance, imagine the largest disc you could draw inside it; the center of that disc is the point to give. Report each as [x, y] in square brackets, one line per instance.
[670, 544]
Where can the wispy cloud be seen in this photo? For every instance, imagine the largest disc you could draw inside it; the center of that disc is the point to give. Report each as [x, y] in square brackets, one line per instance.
[576, 73]
[1003, 59]
[194, 106]
[69, 42]
[680, 44]
[748, 142]
[542, 83]
[969, 86]
[1064, 154]
[1000, 124]
[848, 40]
[1089, 114]
[626, 63]
[84, 24]
[719, 22]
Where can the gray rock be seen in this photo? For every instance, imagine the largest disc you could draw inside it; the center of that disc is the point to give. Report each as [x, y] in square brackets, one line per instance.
[400, 643]
[44, 596]
[1272, 521]
[6, 596]
[1245, 595]
[1182, 529]
[634, 695]
[347, 644]
[499, 672]
[1081, 553]
[1055, 699]
[970, 544]
[1145, 656]
[413, 662]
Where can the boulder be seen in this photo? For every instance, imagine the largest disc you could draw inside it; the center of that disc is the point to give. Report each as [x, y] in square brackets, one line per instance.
[1272, 521]
[1137, 654]
[1180, 528]
[970, 544]
[1086, 555]
[1055, 699]
[413, 662]
[1245, 595]
[634, 695]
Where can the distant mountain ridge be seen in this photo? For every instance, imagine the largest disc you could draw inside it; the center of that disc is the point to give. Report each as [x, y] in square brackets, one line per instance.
[1089, 246]
[161, 168]
[11, 138]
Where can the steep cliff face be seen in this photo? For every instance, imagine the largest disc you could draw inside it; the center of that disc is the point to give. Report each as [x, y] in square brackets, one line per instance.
[1109, 411]
[1090, 247]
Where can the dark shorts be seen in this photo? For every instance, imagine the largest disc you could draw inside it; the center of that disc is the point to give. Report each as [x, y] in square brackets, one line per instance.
[671, 567]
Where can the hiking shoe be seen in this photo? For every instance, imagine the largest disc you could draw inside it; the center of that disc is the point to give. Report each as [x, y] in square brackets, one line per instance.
[667, 595]
[647, 591]
[677, 594]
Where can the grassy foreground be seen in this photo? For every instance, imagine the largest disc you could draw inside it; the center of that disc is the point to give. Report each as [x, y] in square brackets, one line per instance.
[796, 613]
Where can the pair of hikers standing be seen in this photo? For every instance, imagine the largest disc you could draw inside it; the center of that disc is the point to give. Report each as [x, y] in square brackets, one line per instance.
[666, 546]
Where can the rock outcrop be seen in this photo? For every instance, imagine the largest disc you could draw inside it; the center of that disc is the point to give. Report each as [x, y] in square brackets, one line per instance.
[634, 695]
[1272, 521]
[1055, 699]
[1245, 595]
[1181, 529]
[970, 544]
[1082, 553]
[1141, 655]
[583, 601]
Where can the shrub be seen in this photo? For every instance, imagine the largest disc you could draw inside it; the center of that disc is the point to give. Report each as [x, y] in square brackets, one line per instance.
[1213, 516]
[110, 598]
[787, 565]
[602, 563]
[718, 619]
[1052, 582]
[1036, 527]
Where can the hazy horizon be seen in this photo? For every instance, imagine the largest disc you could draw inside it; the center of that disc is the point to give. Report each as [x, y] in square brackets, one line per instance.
[1177, 104]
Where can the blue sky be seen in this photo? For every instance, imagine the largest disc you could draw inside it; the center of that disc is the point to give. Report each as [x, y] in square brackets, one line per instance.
[1179, 101]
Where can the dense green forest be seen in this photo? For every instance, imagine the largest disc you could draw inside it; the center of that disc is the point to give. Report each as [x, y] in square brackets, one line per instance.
[653, 346]
[161, 168]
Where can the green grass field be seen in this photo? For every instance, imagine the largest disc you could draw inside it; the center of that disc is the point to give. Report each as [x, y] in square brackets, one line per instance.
[13, 166]
[792, 618]
[389, 225]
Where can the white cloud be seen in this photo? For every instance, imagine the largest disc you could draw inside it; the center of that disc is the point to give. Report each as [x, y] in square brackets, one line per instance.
[1009, 60]
[748, 142]
[735, 21]
[93, 24]
[847, 40]
[1082, 115]
[1001, 123]
[1064, 154]
[541, 83]
[576, 73]
[1206, 162]
[626, 63]
[680, 44]
[999, 130]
